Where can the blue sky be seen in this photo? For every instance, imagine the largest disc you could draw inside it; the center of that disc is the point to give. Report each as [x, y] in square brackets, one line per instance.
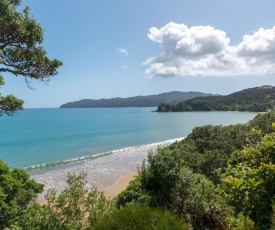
[123, 48]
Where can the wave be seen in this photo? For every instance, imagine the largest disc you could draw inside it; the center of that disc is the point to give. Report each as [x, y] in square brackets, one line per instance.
[93, 156]
[65, 162]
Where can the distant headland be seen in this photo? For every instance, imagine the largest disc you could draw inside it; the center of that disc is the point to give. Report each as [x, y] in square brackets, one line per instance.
[258, 99]
[172, 98]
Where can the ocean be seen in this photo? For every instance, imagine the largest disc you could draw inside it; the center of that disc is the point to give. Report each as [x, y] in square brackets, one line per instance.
[108, 142]
[36, 138]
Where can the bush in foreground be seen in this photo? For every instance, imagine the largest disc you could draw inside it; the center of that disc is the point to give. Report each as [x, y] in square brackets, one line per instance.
[17, 190]
[74, 208]
[249, 181]
[139, 217]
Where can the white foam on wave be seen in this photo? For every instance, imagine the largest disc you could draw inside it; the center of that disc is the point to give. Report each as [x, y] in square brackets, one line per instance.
[102, 171]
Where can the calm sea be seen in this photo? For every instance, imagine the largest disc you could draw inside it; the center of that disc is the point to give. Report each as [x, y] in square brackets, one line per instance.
[37, 138]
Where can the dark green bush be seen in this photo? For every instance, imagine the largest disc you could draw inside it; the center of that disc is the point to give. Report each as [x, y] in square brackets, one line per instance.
[139, 218]
[17, 191]
[133, 194]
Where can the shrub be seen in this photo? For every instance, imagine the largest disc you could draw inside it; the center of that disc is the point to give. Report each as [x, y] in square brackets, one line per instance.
[17, 190]
[74, 208]
[139, 217]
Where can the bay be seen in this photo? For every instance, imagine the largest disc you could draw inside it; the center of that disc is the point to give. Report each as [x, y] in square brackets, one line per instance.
[37, 138]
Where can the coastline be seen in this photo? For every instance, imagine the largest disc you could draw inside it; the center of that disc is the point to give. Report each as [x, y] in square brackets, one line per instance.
[110, 173]
[111, 191]
[120, 185]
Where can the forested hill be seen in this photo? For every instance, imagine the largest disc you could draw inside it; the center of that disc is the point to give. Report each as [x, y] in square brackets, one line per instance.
[139, 101]
[258, 99]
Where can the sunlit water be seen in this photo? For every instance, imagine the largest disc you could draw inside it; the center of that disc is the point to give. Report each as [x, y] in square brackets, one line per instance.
[47, 141]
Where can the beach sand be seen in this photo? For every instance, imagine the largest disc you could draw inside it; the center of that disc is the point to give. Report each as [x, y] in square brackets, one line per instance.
[113, 190]
[121, 184]
[109, 173]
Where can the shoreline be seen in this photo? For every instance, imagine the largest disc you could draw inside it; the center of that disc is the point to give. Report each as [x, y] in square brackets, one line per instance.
[111, 191]
[120, 185]
[49, 166]
[110, 172]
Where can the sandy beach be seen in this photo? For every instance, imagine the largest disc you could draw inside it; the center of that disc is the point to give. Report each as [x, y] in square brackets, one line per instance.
[110, 173]
[113, 190]
[120, 185]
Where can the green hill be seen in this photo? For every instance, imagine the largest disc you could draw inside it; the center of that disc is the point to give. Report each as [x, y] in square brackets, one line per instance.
[258, 99]
[138, 101]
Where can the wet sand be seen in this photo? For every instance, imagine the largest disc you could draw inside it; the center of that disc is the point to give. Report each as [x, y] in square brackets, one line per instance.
[110, 173]
[121, 184]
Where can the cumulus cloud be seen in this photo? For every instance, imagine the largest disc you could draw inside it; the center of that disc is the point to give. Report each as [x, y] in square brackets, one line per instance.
[206, 51]
[122, 51]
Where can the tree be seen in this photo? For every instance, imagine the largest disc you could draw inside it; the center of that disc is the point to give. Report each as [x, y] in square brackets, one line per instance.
[21, 54]
[159, 177]
[74, 208]
[21, 51]
[17, 190]
[263, 122]
[165, 183]
[9, 104]
[249, 181]
[134, 194]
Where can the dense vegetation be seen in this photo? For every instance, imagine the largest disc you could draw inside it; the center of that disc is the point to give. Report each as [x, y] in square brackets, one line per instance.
[139, 217]
[138, 101]
[16, 193]
[259, 99]
[218, 177]
[74, 208]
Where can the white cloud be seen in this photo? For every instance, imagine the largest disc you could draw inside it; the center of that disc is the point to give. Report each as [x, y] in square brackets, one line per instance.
[125, 67]
[206, 51]
[259, 45]
[122, 51]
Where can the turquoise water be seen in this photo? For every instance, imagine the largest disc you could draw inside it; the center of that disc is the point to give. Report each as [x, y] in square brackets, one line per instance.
[37, 137]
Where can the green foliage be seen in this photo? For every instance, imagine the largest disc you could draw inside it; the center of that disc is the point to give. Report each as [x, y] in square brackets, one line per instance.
[133, 194]
[37, 217]
[21, 37]
[139, 217]
[169, 185]
[159, 178]
[240, 222]
[263, 122]
[74, 208]
[21, 52]
[222, 138]
[16, 192]
[259, 99]
[191, 197]
[9, 104]
[165, 108]
[207, 149]
[249, 182]
[197, 201]
[171, 179]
